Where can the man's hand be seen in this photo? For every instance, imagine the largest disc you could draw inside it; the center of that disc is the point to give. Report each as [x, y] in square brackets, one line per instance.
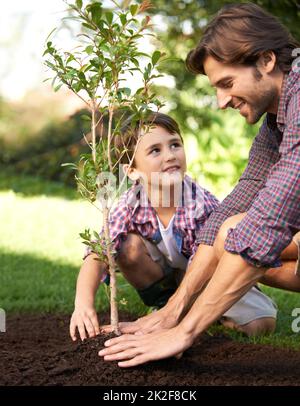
[132, 349]
[85, 319]
[164, 318]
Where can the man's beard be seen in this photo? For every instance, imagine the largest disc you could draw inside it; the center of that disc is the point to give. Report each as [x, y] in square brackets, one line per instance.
[261, 104]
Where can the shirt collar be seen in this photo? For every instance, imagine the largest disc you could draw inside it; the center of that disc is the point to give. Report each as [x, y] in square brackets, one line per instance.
[143, 212]
[280, 119]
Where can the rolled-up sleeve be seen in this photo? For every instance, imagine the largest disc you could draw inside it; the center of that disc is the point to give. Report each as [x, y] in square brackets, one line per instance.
[274, 215]
[263, 155]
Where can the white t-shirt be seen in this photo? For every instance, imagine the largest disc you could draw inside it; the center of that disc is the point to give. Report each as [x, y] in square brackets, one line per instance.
[167, 246]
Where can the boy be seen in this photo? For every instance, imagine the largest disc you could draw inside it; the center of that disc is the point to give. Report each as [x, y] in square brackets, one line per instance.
[155, 240]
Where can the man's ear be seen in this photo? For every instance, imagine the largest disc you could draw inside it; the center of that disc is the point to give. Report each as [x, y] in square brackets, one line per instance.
[267, 61]
[131, 172]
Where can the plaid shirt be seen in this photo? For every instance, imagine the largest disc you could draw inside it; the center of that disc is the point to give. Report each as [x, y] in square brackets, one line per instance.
[134, 214]
[269, 189]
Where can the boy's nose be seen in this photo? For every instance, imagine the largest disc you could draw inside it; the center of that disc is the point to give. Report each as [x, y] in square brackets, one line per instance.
[169, 156]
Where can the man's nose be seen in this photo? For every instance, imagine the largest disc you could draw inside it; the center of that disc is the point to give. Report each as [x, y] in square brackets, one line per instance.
[223, 99]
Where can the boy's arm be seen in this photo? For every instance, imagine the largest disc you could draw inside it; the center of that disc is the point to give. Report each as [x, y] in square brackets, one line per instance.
[84, 317]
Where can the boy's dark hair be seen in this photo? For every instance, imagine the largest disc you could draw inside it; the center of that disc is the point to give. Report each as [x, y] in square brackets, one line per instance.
[239, 34]
[126, 141]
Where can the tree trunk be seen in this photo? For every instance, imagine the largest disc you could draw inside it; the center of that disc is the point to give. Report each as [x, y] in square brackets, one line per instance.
[114, 316]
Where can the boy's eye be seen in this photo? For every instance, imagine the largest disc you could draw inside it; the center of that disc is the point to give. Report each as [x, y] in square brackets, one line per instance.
[176, 144]
[154, 151]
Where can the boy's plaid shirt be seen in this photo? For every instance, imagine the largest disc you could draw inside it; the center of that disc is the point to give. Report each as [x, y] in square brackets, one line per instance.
[134, 214]
[269, 189]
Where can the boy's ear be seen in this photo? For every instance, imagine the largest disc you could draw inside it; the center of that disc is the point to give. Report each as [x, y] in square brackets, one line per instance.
[131, 172]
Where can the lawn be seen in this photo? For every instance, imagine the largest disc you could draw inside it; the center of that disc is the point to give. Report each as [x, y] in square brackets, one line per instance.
[40, 248]
[41, 253]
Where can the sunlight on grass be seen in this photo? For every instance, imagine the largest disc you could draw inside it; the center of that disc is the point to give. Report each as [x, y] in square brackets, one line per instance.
[46, 226]
[41, 252]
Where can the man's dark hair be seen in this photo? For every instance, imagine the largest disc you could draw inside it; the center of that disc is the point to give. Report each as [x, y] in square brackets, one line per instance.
[239, 34]
[126, 141]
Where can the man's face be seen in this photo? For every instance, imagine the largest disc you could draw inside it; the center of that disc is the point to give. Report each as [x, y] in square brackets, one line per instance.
[248, 89]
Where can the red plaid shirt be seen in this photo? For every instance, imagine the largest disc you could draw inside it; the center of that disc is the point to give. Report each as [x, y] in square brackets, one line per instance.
[134, 213]
[268, 190]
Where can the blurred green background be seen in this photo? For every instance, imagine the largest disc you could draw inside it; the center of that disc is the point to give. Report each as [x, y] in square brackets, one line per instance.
[41, 214]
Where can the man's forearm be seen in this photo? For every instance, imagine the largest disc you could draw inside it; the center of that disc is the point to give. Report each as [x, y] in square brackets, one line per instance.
[231, 280]
[197, 276]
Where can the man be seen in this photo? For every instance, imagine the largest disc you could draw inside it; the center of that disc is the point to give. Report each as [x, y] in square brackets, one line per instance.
[248, 57]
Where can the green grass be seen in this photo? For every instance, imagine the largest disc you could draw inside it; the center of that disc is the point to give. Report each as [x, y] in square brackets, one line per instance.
[41, 253]
[283, 335]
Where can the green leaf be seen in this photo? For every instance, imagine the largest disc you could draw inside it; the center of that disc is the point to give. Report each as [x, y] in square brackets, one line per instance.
[123, 19]
[155, 57]
[90, 27]
[125, 90]
[70, 58]
[96, 12]
[56, 89]
[89, 49]
[109, 17]
[134, 9]
[85, 117]
[79, 3]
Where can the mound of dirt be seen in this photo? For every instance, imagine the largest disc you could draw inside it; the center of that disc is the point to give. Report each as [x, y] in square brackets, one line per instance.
[37, 350]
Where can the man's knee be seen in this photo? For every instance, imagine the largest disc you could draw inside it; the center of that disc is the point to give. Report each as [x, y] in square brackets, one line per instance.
[131, 251]
[258, 327]
[231, 222]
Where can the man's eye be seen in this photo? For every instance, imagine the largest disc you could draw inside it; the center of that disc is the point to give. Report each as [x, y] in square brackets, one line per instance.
[227, 85]
[176, 144]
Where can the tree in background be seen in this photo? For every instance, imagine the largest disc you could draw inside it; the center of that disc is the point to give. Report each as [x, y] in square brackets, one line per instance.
[217, 142]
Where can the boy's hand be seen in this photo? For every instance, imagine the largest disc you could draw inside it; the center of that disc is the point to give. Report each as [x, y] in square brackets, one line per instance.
[86, 320]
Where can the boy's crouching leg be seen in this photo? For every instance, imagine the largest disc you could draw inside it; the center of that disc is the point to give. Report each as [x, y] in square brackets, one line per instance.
[136, 264]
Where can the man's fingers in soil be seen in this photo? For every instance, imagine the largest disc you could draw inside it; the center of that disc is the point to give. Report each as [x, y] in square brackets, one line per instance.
[115, 345]
[124, 355]
[129, 327]
[138, 360]
[106, 329]
[121, 339]
[178, 356]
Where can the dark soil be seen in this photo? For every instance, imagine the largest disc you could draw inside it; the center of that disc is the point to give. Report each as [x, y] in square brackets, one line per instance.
[37, 350]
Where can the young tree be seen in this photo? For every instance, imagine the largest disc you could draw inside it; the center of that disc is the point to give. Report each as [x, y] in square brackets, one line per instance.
[106, 56]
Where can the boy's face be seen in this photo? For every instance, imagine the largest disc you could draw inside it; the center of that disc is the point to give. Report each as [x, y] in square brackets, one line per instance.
[160, 157]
